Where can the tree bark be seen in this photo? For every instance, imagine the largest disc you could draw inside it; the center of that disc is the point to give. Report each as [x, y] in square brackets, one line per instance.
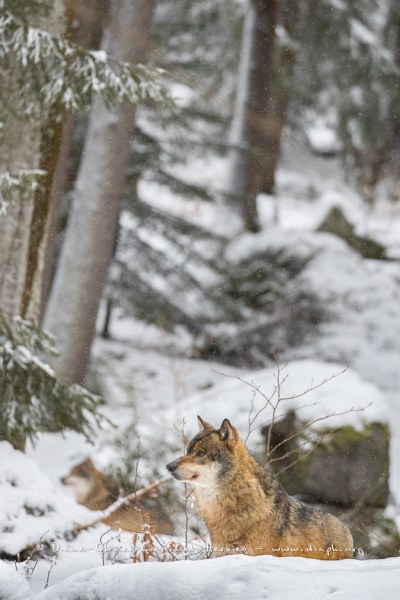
[86, 21]
[87, 250]
[396, 55]
[251, 122]
[23, 231]
[277, 114]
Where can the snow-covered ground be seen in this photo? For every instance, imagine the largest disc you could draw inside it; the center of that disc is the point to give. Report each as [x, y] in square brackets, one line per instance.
[231, 577]
[30, 504]
[147, 379]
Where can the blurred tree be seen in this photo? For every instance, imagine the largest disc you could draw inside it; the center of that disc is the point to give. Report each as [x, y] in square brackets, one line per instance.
[347, 78]
[162, 258]
[31, 398]
[86, 18]
[196, 43]
[23, 232]
[251, 133]
[289, 15]
[393, 35]
[90, 237]
[33, 102]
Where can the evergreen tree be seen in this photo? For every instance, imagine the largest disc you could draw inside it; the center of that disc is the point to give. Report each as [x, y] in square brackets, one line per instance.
[89, 241]
[251, 131]
[33, 102]
[169, 271]
[87, 19]
[347, 74]
[197, 45]
[32, 398]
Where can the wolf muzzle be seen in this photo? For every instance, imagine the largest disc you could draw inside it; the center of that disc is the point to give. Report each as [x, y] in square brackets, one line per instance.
[172, 467]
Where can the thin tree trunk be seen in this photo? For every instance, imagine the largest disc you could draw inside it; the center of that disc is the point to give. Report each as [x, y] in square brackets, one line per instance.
[86, 19]
[250, 136]
[23, 231]
[87, 251]
[41, 210]
[396, 54]
[277, 118]
[15, 225]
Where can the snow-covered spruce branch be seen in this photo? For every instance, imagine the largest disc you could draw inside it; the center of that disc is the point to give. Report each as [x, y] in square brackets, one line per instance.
[19, 184]
[32, 399]
[40, 8]
[68, 76]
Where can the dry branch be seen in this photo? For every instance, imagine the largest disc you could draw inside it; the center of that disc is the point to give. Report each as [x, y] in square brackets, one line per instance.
[134, 497]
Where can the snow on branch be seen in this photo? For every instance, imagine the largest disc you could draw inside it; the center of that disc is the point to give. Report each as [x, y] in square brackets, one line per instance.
[40, 8]
[32, 398]
[16, 185]
[368, 39]
[54, 71]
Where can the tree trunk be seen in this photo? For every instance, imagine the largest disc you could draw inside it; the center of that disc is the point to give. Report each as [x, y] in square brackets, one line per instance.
[87, 19]
[277, 118]
[23, 231]
[396, 55]
[87, 250]
[250, 130]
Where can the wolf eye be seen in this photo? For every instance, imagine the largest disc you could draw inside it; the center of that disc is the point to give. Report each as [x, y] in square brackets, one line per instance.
[200, 453]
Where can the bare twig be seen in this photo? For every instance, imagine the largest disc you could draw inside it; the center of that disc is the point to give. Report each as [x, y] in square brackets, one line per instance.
[53, 564]
[394, 549]
[39, 546]
[319, 442]
[310, 424]
[135, 479]
[275, 406]
[282, 415]
[274, 400]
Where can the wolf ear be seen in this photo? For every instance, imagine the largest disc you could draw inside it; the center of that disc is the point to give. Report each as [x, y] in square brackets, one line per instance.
[227, 432]
[203, 425]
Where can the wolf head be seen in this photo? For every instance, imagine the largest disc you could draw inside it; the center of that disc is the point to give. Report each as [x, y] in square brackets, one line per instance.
[81, 479]
[210, 455]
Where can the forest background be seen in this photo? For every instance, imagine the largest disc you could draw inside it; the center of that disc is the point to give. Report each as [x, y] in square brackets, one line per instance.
[209, 181]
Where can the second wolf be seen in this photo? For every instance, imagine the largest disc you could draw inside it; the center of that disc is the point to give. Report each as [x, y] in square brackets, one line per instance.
[97, 491]
[246, 509]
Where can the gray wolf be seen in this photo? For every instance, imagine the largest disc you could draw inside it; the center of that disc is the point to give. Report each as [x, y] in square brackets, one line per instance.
[245, 508]
[97, 491]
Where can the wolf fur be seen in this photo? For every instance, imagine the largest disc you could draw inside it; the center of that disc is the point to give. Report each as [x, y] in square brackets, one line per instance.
[245, 508]
[97, 491]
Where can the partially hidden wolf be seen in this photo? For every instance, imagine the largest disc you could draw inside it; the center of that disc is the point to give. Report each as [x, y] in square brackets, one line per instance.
[97, 491]
[245, 508]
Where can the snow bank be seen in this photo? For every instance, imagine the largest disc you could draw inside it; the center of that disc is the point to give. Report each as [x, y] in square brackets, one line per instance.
[225, 395]
[170, 397]
[363, 298]
[30, 505]
[323, 139]
[13, 586]
[232, 577]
